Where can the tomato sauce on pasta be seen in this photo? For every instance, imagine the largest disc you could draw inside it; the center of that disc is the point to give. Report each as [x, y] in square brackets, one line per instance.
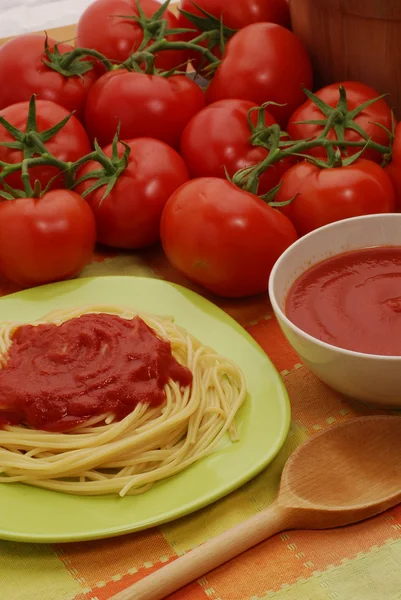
[56, 377]
[105, 400]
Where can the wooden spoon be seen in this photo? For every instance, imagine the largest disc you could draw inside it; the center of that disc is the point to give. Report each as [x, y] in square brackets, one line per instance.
[340, 476]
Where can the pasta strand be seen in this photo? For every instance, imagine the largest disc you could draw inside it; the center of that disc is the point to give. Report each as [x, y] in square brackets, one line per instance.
[107, 456]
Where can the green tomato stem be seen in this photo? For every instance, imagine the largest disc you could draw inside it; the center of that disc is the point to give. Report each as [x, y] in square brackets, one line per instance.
[105, 162]
[143, 54]
[161, 45]
[25, 177]
[66, 169]
[34, 139]
[206, 35]
[248, 178]
[66, 62]
[111, 168]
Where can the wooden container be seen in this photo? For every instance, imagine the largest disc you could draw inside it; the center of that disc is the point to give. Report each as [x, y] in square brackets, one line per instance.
[356, 40]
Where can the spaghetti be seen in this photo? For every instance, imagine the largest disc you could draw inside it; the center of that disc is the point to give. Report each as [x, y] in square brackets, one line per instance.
[107, 454]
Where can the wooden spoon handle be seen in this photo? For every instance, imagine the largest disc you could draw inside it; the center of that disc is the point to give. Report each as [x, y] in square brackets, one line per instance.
[208, 556]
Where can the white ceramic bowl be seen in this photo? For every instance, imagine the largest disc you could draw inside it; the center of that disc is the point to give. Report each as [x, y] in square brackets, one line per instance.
[370, 378]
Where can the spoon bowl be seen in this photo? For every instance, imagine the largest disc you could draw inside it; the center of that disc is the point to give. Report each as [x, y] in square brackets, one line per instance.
[345, 474]
[340, 476]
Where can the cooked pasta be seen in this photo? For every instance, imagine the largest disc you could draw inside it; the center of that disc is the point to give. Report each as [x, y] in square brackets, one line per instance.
[107, 455]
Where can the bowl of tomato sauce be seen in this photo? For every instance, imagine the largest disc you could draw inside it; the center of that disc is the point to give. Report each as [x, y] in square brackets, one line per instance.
[336, 293]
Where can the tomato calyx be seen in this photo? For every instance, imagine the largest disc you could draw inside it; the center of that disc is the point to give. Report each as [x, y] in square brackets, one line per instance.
[214, 32]
[261, 134]
[31, 142]
[155, 34]
[271, 139]
[208, 22]
[71, 64]
[154, 27]
[280, 148]
[107, 175]
[110, 168]
[335, 158]
[339, 118]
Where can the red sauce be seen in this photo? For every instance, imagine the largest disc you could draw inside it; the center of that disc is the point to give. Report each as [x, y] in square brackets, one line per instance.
[58, 376]
[352, 300]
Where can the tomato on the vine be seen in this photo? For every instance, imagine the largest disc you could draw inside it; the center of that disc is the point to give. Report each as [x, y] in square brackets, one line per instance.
[216, 142]
[143, 106]
[371, 119]
[239, 13]
[264, 62]
[129, 216]
[234, 15]
[222, 237]
[110, 27]
[23, 72]
[69, 144]
[322, 196]
[45, 239]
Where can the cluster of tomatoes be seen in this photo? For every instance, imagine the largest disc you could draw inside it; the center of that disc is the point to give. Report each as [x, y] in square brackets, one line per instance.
[111, 141]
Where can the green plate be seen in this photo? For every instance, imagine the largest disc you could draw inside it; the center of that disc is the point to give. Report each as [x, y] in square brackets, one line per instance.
[31, 514]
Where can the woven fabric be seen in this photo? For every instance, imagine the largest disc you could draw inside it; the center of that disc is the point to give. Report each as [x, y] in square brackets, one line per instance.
[362, 562]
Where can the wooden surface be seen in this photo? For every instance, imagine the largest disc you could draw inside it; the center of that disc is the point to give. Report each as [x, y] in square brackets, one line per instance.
[341, 476]
[61, 34]
[377, 9]
[353, 40]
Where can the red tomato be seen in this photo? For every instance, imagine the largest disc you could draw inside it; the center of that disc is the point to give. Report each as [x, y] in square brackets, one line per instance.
[143, 105]
[357, 94]
[264, 62]
[239, 13]
[394, 168]
[236, 14]
[100, 28]
[46, 239]
[222, 128]
[322, 196]
[69, 144]
[223, 238]
[129, 217]
[22, 67]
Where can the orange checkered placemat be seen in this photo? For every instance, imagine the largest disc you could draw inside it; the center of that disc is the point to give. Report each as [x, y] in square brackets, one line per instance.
[362, 562]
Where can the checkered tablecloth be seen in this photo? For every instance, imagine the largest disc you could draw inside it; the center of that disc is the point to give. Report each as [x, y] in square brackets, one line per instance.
[362, 562]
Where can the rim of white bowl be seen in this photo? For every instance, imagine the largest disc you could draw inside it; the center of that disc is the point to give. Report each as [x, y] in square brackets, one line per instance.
[299, 242]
